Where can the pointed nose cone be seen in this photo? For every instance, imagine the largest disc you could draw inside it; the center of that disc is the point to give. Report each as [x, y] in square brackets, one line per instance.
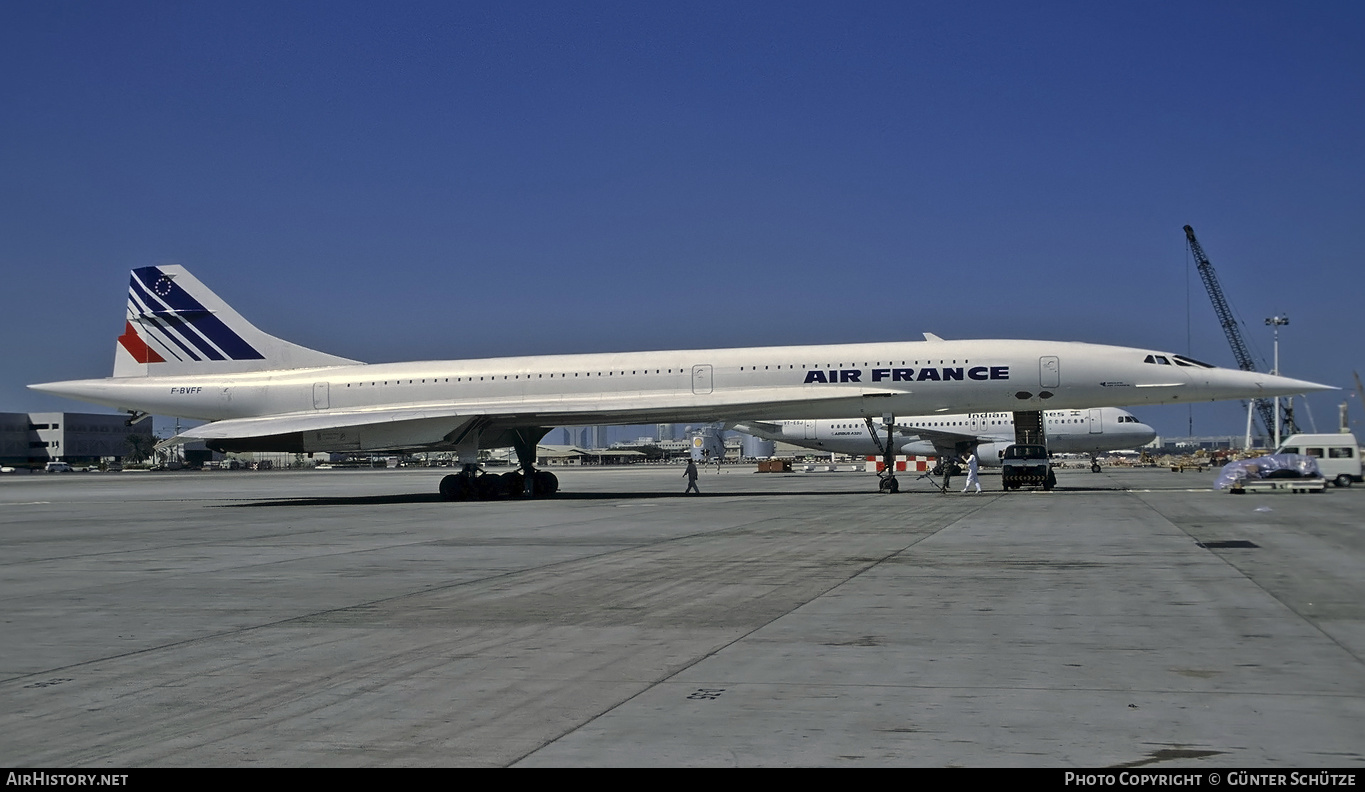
[1146, 434]
[1214, 384]
[1273, 385]
[1234, 384]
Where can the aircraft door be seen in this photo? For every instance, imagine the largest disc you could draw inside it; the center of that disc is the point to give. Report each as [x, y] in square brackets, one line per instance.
[701, 379]
[320, 396]
[1049, 371]
[976, 422]
[1096, 422]
[810, 430]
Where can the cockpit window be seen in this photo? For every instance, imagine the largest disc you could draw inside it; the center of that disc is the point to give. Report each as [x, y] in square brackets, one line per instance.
[1189, 361]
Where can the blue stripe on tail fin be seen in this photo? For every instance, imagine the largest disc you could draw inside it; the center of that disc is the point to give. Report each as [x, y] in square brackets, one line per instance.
[179, 326]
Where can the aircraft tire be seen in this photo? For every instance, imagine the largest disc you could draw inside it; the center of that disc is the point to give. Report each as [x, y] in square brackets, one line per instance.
[490, 487]
[546, 484]
[455, 488]
[514, 483]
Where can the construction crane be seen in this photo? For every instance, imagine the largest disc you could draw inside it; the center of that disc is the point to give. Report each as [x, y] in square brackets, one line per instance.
[1230, 329]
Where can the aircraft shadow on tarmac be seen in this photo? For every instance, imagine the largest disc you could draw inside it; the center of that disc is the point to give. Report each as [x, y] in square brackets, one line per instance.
[424, 497]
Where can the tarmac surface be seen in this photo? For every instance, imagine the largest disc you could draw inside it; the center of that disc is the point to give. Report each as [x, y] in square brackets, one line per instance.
[1131, 618]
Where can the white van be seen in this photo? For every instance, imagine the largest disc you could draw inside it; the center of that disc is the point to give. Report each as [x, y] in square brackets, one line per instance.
[58, 467]
[1338, 455]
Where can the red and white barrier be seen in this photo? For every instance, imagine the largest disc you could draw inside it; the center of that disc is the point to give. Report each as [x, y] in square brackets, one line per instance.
[904, 464]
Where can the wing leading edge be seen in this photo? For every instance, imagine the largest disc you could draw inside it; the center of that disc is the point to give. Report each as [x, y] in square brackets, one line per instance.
[439, 426]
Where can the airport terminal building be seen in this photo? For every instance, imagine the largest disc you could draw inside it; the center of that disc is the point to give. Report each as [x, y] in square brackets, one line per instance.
[34, 439]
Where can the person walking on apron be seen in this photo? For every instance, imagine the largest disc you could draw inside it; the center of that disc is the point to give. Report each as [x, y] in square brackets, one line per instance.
[972, 465]
[691, 474]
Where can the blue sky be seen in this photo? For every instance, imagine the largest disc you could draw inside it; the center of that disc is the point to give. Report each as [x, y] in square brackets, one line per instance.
[391, 181]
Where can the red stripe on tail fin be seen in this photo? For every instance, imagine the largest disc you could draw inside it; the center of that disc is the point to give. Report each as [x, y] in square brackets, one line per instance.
[138, 348]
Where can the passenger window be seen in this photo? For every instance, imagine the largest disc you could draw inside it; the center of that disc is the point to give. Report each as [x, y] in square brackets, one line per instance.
[1315, 452]
[1340, 453]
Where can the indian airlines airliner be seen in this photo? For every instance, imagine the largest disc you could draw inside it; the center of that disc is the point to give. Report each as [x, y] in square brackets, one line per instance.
[1089, 431]
[185, 352]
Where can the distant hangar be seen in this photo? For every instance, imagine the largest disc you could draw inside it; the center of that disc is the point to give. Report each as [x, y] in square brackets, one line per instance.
[34, 439]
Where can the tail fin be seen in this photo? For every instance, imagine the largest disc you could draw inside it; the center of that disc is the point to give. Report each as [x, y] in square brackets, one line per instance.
[176, 325]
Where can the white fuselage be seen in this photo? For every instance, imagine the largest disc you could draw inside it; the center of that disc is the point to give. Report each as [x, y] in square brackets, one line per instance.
[185, 352]
[875, 379]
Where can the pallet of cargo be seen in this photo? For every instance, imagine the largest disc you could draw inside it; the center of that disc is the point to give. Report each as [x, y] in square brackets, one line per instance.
[1280, 485]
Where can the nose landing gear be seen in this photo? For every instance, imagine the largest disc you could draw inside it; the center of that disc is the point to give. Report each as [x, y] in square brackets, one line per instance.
[888, 482]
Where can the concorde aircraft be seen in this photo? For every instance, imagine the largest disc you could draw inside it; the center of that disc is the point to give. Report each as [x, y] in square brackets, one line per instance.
[185, 352]
[1087, 431]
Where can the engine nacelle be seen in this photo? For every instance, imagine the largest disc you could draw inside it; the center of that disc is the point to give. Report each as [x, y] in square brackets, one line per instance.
[988, 454]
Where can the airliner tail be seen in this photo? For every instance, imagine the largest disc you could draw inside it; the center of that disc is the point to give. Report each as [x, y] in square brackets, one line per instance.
[177, 325]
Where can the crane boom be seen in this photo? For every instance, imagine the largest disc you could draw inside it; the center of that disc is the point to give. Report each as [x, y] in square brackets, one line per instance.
[1229, 323]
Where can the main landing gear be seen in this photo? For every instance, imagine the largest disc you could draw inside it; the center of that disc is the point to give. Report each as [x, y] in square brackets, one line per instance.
[473, 483]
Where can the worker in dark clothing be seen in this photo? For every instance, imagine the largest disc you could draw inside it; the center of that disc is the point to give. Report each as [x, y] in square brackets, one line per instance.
[949, 469]
[691, 474]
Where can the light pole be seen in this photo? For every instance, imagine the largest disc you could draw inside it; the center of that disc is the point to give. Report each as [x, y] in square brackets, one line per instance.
[1275, 322]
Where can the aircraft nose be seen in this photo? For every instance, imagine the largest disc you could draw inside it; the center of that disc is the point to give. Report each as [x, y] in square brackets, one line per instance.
[1254, 384]
[1285, 386]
